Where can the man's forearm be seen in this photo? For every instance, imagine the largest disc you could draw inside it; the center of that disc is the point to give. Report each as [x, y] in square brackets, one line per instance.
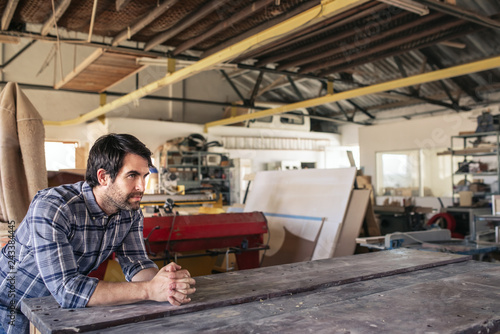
[117, 293]
[171, 284]
[145, 275]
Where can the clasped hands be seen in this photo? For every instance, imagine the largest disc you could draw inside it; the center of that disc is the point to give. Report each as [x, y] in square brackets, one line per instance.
[172, 284]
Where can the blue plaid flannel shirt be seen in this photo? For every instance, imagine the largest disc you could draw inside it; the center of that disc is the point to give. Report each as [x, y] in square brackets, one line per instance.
[64, 236]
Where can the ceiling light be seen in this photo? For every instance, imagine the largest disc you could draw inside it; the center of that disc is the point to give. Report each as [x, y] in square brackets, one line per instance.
[409, 5]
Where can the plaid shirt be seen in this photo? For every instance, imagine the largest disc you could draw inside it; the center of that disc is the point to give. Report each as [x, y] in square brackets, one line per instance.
[64, 236]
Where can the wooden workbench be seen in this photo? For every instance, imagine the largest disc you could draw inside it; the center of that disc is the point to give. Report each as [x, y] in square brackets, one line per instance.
[397, 291]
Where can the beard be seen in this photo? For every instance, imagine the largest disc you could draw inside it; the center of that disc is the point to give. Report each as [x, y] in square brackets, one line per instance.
[122, 201]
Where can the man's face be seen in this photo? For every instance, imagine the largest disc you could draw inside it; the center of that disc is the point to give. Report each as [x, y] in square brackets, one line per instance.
[125, 193]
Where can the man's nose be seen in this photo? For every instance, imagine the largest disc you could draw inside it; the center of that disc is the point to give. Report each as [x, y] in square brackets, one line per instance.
[141, 184]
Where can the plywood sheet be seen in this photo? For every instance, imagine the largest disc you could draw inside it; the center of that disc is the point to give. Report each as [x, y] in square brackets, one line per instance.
[100, 71]
[312, 194]
[353, 221]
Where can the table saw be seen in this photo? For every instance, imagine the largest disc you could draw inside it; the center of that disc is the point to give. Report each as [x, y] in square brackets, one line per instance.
[396, 291]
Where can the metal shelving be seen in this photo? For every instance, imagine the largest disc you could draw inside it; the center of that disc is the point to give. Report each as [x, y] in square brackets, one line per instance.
[198, 168]
[466, 149]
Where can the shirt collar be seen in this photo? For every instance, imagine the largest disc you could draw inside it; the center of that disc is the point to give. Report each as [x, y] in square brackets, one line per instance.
[90, 201]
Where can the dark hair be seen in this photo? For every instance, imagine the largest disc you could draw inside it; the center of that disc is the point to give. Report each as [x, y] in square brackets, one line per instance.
[108, 153]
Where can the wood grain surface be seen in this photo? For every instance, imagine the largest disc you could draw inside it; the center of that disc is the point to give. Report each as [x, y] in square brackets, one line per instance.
[227, 289]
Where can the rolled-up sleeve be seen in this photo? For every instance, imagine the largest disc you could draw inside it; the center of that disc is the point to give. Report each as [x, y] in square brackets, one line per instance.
[54, 255]
[132, 253]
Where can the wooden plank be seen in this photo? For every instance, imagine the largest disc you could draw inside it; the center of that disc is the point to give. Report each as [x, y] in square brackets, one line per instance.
[143, 22]
[266, 315]
[8, 13]
[96, 54]
[352, 222]
[100, 71]
[60, 10]
[239, 287]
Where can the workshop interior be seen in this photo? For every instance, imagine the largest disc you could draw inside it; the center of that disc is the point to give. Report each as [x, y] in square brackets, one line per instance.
[358, 140]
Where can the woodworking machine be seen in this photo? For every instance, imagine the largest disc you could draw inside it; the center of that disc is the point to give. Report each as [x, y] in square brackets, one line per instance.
[167, 237]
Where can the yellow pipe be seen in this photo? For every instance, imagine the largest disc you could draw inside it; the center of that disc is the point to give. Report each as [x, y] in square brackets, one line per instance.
[478, 66]
[327, 9]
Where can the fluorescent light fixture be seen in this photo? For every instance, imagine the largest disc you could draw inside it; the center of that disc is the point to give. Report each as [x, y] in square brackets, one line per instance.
[409, 5]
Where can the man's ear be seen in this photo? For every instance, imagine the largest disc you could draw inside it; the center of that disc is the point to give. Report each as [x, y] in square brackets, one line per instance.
[103, 177]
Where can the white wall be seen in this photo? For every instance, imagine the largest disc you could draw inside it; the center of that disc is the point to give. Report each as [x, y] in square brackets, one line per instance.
[155, 133]
[424, 133]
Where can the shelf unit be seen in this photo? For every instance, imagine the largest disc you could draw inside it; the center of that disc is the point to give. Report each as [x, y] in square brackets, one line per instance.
[466, 150]
[198, 169]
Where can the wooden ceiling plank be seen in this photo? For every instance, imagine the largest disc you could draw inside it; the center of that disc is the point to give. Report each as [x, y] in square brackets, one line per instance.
[364, 41]
[241, 15]
[461, 13]
[332, 39]
[310, 32]
[383, 47]
[185, 23]
[366, 59]
[120, 4]
[143, 22]
[60, 10]
[8, 13]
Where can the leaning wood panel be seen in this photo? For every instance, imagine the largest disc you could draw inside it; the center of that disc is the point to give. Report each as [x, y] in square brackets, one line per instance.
[239, 287]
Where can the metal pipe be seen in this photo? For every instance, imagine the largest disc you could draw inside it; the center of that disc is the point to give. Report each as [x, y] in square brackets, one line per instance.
[18, 53]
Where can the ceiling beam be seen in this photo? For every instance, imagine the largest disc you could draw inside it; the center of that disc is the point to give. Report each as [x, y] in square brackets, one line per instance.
[8, 13]
[461, 13]
[453, 71]
[360, 42]
[226, 23]
[257, 30]
[253, 95]
[16, 55]
[120, 4]
[436, 63]
[60, 10]
[344, 57]
[143, 22]
[305, 34]
[464, 29]
[302, 20]
[184, 23]
[335, 37]
[236, 90]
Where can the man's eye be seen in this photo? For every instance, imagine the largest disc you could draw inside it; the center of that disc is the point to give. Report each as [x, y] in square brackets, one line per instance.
[132, 176]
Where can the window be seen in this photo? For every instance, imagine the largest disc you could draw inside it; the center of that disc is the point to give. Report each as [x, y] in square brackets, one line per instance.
[293, 117]
[267, 119]
[413, 173]
[60, 155]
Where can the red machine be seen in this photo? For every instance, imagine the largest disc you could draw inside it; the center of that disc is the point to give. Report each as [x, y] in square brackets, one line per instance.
[242, 233]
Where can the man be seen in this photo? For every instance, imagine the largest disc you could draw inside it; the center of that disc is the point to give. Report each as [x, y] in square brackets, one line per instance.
[69, 230]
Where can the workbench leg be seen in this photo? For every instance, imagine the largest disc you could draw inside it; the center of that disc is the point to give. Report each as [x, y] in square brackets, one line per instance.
[33, 329]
